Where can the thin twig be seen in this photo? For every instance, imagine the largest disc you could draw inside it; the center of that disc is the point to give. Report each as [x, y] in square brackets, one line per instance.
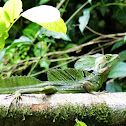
[60, 4]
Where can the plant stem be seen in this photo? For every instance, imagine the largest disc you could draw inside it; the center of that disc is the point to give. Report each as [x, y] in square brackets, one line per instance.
[14, 22]
[119, 4]
[76, 12]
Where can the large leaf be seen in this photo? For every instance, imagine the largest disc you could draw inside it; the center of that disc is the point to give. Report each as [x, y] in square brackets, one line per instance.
[49, 18]
[56, 26]
[113, 87]
[13, 8]
[42, 14]
[118, 70]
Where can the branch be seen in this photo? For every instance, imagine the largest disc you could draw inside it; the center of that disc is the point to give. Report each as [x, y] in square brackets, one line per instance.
[102, 109]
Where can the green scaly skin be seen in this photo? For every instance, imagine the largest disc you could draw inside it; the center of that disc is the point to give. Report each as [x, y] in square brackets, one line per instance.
[91, 77]
[80, 79]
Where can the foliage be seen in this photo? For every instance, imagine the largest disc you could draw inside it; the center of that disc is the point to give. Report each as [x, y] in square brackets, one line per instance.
[79, 123]
[92, 27]
[11, 10]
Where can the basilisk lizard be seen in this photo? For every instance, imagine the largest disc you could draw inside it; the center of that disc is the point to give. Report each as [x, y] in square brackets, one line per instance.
[89, 74]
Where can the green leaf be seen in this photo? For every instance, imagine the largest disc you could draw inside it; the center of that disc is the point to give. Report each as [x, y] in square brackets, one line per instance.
[41, 48]
[56, 35]
[122, 55]
[118, 70]
[113, 87]
[56, 26]
[64, 66]
[118, 44]
[13, 8]
[31, 30]
[44, 64]
[2, 42]
[4, 17]
[43, 2]
[3, 27]
[49, 18]
[83, 20]
[2, 54]
[18, 42]
[79, 123]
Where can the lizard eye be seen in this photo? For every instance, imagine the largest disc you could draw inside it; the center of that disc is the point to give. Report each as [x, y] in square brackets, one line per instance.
[107, 57]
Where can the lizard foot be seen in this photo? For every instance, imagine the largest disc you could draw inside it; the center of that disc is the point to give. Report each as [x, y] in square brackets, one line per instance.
[15, 97]
[98, 93]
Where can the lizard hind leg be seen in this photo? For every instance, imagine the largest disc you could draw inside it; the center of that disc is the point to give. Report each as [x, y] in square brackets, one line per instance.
[87, 86]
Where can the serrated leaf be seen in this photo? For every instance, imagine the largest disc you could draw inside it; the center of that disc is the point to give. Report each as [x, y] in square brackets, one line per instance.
[118, 70]
[83, 20]
[13, 8]
[42, 14]
[113, 87]
[56, 26]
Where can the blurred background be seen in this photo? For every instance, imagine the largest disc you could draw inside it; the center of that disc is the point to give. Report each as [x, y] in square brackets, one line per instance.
[92, 27]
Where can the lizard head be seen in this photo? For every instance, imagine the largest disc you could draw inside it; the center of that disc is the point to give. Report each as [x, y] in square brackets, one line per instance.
[104, 63]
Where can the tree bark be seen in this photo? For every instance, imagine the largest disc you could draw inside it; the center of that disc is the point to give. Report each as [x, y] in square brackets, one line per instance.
[62, 109]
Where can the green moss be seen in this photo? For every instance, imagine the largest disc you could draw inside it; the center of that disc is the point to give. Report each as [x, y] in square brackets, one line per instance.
[64, 115]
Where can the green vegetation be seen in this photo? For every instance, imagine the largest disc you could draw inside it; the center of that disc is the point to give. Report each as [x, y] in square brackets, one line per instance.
[64, 115]
[92, 27]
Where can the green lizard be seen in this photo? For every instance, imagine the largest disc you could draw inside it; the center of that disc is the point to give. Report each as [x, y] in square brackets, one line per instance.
[89, 74]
